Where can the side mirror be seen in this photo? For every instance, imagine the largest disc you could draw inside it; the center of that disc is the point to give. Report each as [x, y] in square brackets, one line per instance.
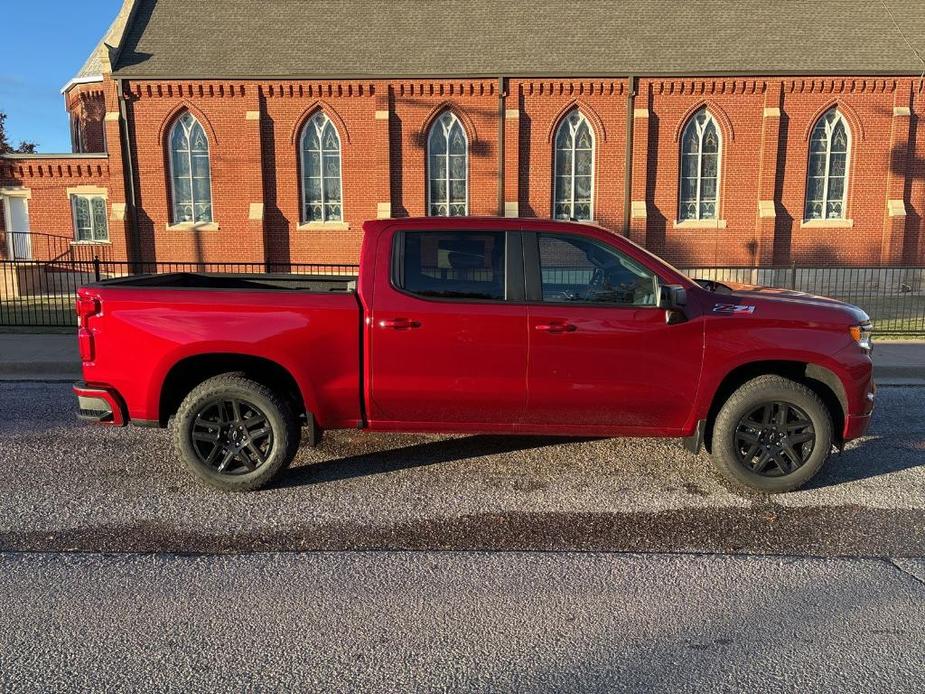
[673, 298]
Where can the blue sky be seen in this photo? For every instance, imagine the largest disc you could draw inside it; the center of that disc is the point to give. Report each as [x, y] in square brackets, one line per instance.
[44, 43]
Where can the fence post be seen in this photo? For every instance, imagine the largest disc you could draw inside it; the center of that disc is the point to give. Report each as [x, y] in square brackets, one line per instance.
[793, 275]
[96, 267]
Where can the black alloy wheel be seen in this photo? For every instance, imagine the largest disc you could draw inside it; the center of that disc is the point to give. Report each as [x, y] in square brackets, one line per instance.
[774, 439]
[231, 436]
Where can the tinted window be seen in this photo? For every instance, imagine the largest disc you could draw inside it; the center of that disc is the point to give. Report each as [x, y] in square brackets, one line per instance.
[578, 269]
[453, 265]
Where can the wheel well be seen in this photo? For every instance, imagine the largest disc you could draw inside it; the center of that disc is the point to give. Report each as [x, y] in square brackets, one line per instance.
[190, 372]
[819, 379]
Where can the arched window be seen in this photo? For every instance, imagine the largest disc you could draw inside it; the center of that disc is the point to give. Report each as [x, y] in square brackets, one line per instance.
[190, 175]
[321, 180]
[701, 147]
[574, 183]
[447, 167]
[827, 172]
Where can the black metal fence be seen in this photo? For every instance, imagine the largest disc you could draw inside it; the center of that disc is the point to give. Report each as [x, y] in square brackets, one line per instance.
[41, 293]
[894, 297]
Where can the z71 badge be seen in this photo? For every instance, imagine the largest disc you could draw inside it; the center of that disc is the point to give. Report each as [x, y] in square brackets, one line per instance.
[733, 308]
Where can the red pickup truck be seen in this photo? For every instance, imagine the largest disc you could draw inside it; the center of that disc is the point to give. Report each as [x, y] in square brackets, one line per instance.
[519, 326]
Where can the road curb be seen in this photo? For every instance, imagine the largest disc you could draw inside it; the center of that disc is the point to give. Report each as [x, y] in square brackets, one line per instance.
[904, 375]
[39, 371]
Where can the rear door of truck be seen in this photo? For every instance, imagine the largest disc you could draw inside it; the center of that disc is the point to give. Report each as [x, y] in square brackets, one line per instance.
[448, 329]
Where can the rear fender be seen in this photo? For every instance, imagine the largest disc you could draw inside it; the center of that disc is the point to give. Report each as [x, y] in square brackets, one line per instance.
[177, 359]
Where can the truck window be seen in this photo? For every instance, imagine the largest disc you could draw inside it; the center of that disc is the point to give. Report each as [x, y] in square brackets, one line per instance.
[453, 265]
[579, 269]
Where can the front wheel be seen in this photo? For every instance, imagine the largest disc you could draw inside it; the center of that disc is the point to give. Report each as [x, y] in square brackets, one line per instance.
[772, 435]
[234, 433]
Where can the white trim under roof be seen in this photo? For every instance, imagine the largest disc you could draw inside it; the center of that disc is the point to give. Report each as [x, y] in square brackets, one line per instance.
[81, 80]
[56, 155]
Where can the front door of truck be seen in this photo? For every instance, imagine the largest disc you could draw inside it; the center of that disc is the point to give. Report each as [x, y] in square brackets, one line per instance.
[448, 333]
[601, 353]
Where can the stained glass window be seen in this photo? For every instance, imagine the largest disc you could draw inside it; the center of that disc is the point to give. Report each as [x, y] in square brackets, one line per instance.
[574, 169]
[827, 171]
[700, 158]
[90, 218]
[447, 167]
[190, 173]
[321, 179]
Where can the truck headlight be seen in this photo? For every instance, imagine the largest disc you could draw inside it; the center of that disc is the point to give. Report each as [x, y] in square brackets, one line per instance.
[863, 334]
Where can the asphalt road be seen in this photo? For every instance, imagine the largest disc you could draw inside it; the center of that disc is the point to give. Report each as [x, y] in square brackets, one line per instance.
[73, 487]
[367, 622]
[590, 565]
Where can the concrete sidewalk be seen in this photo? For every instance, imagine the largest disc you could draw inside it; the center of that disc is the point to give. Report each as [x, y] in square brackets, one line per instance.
[37, 357]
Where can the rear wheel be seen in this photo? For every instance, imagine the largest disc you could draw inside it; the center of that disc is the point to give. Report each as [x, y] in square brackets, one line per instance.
[234, 433]
[772, 435]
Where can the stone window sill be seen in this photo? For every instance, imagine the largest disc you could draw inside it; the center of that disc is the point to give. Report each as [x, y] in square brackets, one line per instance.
[827, 224]
[700, 224]
[194, 226]
[91, 243]
[324, 226]
[573, 221]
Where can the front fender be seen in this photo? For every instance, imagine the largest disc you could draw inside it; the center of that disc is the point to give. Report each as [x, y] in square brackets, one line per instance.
[828, 356]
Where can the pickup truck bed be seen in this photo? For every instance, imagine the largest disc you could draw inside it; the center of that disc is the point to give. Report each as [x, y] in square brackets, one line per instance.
[199, 280]
[306, 327]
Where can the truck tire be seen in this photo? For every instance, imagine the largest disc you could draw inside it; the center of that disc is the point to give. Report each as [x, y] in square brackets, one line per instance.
[772, 435]
[234, 433]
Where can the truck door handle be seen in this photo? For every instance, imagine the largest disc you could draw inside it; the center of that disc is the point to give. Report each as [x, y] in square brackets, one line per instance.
[557, 327]
[399, 323]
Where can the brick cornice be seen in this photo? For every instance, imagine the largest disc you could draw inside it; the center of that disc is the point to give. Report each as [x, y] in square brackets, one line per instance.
[706, 87]
[572, 88]
[404, 88]
[839, 85]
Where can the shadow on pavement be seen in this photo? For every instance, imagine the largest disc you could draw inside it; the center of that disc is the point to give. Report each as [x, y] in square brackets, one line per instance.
[415, 456]
[869, 458]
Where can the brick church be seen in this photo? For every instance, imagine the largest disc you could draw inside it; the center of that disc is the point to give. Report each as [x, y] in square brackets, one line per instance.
[713, 133]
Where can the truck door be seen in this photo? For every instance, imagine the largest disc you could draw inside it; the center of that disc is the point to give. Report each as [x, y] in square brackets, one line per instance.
[601, 353]
[448, 330]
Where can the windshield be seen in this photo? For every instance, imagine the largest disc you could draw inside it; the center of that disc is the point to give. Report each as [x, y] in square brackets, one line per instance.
[659, 262]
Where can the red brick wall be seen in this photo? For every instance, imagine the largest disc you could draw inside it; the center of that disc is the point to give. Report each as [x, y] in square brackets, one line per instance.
[740, 107]
[914, 246]
[351, 107]
[415, 104]
[221, 109]
[87, 105]
[542, 105]
[868, 107]
[49, 205]
[764, 122]
[736, 106]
